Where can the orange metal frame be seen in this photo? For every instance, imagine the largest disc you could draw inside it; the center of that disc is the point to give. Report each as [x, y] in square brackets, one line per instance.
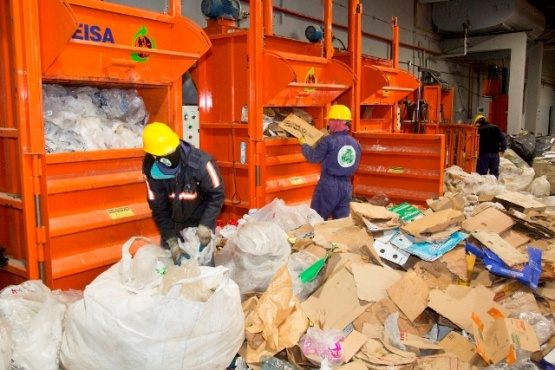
[405, 167]
[381, 84]
[253, 69]
[65, 216]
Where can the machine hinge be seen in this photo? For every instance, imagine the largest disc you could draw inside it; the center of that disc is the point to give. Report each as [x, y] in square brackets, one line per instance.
[41, 241]
[257, 169]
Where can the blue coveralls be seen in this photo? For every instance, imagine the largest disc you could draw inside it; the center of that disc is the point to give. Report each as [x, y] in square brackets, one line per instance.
[339, 154]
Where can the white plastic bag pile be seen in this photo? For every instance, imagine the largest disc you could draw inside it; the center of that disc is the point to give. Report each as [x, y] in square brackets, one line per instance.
[287, 217]
[140, 315]
[31, 317]
[88, 118]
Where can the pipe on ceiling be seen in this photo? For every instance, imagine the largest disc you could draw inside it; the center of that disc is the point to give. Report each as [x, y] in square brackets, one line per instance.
[345, 28]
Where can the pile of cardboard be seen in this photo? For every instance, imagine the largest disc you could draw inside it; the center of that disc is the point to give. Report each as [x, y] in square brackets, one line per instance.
[415, 288]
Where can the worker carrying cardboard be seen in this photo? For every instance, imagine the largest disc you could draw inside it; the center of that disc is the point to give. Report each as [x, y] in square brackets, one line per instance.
[493, 143]
[339, 154]
[184, 187]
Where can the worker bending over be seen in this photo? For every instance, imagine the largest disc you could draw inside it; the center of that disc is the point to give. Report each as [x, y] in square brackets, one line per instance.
[184, 187]
[339, 154]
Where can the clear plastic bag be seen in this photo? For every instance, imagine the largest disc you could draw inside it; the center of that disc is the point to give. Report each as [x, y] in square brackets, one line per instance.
[515, 159]
[298, 262]
[515, 179]
[318, 345]
[540, 187]
[141, 272]
[254, 253]
[192, 247]
[288, 218]
[196, 292]
[6, 342]
[391, 327]
[87, 118]
[543, 327]
[35, 314]
[274, 363]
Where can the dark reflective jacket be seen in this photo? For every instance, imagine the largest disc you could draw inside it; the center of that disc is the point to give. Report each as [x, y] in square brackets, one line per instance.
[194, 197]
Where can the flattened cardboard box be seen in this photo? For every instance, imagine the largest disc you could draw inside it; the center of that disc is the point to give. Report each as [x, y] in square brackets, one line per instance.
[505, 251]
[497, 338]
[298, 127]
[335, 303]
[457, 307]
[455, 201]
[461, 347]
[490, 219]
[434, 222]
[410, 294]
[375, 218]
[520, 202]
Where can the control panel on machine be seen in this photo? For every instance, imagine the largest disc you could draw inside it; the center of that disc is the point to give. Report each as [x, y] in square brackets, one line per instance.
[191, 126]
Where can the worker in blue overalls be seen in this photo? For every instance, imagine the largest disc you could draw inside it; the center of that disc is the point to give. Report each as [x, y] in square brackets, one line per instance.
[339, 154]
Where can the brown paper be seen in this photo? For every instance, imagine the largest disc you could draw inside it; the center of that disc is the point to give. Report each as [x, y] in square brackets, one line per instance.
[326, 231]
[441, 362]
[335, 304]
[386, 307]
[498, 338]
[275, 320]
[410, 294]
[456, 262]
[373, 281]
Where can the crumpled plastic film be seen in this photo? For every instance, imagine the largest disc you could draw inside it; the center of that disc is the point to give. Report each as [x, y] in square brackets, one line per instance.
[88, 118]
[254, 254]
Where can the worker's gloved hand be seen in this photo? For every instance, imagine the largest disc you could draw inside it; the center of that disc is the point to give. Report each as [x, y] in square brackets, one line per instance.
[301, 140]
[175, 250]
[204, 235]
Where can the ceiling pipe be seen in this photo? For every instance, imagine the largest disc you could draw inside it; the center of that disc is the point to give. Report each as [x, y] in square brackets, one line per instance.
[267, 17]
[466, 27]
[345, 28]
[395, 45]
[328, 48]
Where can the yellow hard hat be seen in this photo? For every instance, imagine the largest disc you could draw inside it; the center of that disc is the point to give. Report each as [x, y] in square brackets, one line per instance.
[159, 139]
[479, 117]
[340, 112]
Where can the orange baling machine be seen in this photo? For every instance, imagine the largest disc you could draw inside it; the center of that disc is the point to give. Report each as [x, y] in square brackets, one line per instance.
[64, 216]
[245, 72]
[436, 116]
[404, 167]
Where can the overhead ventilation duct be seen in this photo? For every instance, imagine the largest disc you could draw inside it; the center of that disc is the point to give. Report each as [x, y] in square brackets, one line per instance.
[487, 16]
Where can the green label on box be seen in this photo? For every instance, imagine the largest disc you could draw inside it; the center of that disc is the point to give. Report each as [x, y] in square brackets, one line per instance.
[406, 211]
